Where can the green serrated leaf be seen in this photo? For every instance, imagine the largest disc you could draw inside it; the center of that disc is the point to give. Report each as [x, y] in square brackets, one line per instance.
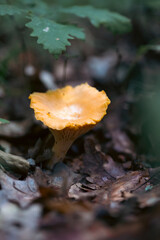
[38, 8]
[53, 36]
[113, 21]
[3, 121]
[6, 9]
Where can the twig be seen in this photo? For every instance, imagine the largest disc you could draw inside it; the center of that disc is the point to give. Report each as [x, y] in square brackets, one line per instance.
[109, 174]
[65, 70]
[13, 164]
[144, 183]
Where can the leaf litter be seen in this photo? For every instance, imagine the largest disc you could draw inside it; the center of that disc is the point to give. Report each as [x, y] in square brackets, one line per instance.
[103, 189]
[87, 197]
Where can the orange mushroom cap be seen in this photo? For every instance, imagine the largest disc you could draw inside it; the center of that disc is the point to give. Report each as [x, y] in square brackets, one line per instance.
[70, 106]
[69, 112]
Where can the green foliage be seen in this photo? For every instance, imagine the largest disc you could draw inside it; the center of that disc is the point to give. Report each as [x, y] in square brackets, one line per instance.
[50, 24]
[3, 121]
[53, 36]
[152, 118]
[153, 4]
[6, 9]
[113, 21]
[125, 5]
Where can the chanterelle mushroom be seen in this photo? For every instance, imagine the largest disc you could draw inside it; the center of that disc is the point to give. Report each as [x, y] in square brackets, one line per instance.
[69, 112]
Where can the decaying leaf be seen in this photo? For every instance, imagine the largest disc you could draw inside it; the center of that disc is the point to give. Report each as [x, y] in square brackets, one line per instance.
[21, 192]
[126, 184]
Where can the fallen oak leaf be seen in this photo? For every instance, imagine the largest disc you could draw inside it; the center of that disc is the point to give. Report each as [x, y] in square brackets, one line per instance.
[93, 162]
[126, 184]
[122, 143]
[113, 168]
[21, 192]
[94, 166]
[76, 192]
[59, 179]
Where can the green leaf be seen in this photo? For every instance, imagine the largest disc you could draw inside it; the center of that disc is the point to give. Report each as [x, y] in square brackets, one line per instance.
[113, 21]
[6, 9]
[39, 7]
[53, 36]
[146, 48]
[155, 4]
[3, 121]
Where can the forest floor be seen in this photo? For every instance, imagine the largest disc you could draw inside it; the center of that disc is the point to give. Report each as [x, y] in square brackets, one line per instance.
[108, 186]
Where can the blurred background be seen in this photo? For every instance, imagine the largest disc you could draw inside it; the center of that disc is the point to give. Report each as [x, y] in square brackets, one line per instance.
[126, 66]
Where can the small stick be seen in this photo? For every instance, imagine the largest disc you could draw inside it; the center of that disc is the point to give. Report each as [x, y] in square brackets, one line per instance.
[14, 164]
[65, 70]
[144, 183]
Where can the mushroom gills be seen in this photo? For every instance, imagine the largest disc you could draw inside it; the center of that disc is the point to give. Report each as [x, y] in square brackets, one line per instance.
[63, 140]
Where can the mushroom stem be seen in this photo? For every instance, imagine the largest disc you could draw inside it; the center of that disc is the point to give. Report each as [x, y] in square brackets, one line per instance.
[61, 148]
[63, 140]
